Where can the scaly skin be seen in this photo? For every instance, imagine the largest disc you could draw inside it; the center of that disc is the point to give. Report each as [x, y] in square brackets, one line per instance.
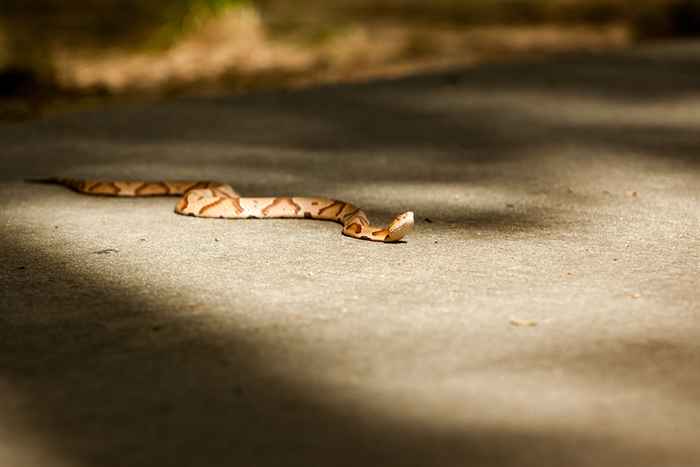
[219, 200]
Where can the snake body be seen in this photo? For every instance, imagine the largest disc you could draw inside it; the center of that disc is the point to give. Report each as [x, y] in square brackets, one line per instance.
[220, 200]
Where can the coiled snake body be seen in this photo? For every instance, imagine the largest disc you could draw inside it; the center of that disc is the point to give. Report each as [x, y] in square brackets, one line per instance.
[219, 200]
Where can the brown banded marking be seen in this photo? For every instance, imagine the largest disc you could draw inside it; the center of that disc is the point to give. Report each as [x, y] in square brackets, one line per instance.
[181, 188]
[354, 228]
[212, 199]
[236, 203]
[77, 185]
[199, 185]
[167, 188]
[210, 206]
[381, 233]
[339, 204]
[350, 215]
[220, 191]
[152, 189]
[182, 204]
[356, 217]
[279, 201]
[203, 201]
[103, 188]
[88, 186]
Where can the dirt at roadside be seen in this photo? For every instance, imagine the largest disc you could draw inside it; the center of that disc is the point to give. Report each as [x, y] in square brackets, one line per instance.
[235, 52]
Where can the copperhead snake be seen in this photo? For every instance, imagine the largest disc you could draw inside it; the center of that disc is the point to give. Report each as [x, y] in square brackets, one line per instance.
[219, 200]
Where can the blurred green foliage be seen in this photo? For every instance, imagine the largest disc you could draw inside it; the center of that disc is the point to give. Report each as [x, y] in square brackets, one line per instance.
[183, 16]
[104, 22]
[29, 30]
[29, 27]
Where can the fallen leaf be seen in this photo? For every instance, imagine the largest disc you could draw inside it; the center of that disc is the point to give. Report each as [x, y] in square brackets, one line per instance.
[523, 322]
[106, 251]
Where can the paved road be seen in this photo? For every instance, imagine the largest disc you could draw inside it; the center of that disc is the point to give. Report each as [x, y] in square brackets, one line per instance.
[544, 313]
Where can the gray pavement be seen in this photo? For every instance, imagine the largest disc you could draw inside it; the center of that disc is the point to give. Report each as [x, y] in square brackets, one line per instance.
[544, 313]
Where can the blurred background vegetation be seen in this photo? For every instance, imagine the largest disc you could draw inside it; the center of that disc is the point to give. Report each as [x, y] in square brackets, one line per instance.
[56, 53]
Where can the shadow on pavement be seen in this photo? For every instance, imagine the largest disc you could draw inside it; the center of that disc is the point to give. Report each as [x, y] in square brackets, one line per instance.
[444, 118]
[105, 378]
[109, 376]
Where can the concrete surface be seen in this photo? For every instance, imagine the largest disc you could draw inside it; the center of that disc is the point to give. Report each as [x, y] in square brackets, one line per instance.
[561, 192]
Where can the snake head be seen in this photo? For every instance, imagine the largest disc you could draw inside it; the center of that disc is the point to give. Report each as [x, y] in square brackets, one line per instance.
[400, 226]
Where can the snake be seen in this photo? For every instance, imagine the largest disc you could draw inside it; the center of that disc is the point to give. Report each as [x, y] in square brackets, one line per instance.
[219, 200]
